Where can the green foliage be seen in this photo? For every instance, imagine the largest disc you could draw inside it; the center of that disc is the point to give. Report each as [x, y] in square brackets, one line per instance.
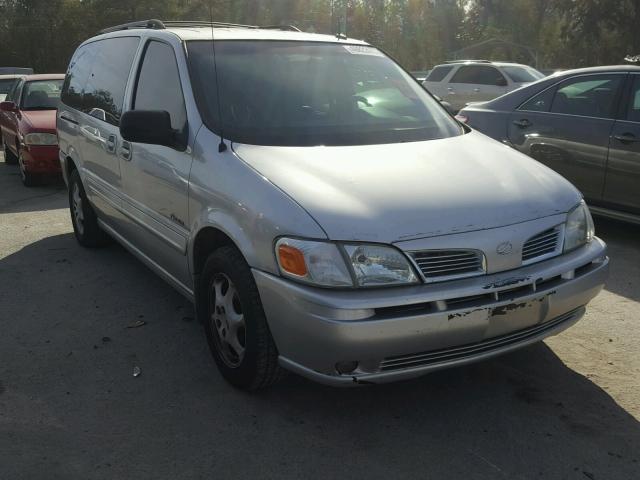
[418, 33]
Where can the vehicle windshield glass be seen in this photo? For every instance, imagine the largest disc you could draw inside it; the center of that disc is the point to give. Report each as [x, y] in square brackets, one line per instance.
[304, 93]
[522, 74]
[41, 95]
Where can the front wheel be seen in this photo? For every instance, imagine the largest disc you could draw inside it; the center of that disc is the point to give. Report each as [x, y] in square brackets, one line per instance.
[229, 306]
[28, 179]
[9, 157]
[83, 217]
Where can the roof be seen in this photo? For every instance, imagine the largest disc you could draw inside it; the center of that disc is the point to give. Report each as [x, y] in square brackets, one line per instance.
[207, 33]
[600, 69]
[44, 76]
[187, 31]
[483, 62]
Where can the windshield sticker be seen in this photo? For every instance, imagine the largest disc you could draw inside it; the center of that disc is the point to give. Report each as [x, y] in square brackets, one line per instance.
[363, 50]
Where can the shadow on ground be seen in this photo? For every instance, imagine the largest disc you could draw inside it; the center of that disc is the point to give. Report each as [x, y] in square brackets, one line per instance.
[17, 198]
[623, 241]
[71, 408]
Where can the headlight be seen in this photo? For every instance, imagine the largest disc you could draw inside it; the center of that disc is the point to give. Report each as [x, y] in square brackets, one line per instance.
[579, 228]
[40, 139]
[318, 263]
[331, 265]
[378, 265]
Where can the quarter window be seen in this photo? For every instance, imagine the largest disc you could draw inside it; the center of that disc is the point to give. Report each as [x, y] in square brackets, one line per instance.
[479, 75]
[590, 96]
[159, 85]
[539, 103]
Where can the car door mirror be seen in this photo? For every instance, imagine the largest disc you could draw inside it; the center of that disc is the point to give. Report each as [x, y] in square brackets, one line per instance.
[152, 127]
[501, 81]
[8, 107]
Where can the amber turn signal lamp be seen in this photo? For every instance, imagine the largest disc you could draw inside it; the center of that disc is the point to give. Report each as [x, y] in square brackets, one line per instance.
[292, 260]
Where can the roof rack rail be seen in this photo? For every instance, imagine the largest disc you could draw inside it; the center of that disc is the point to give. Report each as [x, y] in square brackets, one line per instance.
[289, 28]
[204, 23]
[160, 25]
[152, 24]
[468, 60]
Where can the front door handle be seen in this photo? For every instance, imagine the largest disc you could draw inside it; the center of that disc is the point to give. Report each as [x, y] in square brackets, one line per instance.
[111, 144]
[627, 138]
[476, 90]
[125, 150]
[524, 123]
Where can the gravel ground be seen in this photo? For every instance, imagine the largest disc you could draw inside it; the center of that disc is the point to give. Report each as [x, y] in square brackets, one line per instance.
[70, 407]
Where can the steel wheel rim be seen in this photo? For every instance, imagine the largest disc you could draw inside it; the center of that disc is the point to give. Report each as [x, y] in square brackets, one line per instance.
[226, 320]
[76, 207]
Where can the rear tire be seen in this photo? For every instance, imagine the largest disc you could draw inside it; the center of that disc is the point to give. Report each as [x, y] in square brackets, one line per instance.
[9, 157]
[229, 306]
[83, 217]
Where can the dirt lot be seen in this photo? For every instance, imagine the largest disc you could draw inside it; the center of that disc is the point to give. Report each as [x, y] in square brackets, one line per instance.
[70, 407]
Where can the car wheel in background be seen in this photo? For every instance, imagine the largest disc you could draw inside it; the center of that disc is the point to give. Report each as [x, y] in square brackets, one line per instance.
[229, 306]
[9, 157]
[28, 179]
[83, 217]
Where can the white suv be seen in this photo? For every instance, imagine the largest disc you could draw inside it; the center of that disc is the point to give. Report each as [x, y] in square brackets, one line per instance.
[464, 81]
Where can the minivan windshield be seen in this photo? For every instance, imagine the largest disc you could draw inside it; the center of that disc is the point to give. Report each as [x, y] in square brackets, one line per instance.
[310, 93]
[41, 95]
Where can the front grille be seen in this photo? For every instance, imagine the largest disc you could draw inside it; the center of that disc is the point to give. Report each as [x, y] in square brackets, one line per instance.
[540, 245]
[456, 353]
[449, 263]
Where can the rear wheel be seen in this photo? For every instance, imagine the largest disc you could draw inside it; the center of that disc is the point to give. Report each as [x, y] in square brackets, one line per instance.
[235, 324]
[9, 157]
[83, 217]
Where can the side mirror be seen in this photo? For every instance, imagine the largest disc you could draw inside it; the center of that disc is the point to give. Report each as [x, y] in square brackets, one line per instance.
[150, 126]
[501, 82]
[8, 107]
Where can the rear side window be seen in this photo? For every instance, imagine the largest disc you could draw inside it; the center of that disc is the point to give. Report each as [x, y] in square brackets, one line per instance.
[105, 87]
[634, 101]
[479, 75]
[78, 74]
[158, 86]
[588, 96]
[438, 73]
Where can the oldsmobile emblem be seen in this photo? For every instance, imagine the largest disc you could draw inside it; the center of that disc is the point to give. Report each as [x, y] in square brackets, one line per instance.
[505, 248]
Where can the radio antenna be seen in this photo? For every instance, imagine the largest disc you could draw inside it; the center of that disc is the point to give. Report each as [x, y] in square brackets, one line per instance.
[222, 146]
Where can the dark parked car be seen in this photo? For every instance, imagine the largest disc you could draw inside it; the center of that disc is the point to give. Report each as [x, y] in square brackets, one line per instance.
[585, 124]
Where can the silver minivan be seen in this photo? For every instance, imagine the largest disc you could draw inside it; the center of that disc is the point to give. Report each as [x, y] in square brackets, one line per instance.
[324, 213]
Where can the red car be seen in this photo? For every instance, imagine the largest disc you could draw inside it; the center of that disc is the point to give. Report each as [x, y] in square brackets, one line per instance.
[28, 126]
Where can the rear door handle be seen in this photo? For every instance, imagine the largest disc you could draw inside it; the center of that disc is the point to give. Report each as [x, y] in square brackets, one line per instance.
[627, 138]
[476, 90]
[125, 150]
[524, 123]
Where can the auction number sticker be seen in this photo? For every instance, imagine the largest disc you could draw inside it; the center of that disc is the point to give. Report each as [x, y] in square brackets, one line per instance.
[363, 50]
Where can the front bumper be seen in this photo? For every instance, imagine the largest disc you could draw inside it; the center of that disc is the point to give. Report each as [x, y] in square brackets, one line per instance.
[400, 333]
[41, 159]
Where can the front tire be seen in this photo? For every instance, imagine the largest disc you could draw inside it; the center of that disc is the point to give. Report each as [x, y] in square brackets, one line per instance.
[229, 306]
[9, 157]
[28, 179]
[83, 217]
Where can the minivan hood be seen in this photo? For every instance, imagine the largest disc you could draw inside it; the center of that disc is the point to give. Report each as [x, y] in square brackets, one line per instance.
[396, 192]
